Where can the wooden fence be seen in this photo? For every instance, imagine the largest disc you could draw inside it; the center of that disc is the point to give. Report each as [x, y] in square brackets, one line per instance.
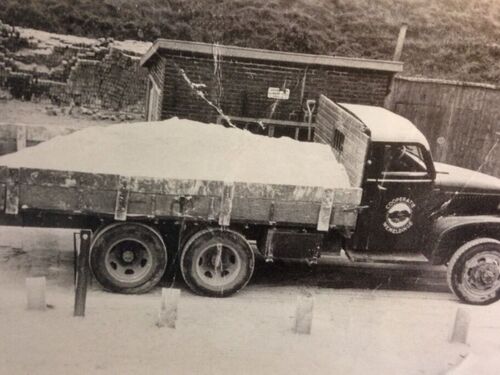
[461, 120]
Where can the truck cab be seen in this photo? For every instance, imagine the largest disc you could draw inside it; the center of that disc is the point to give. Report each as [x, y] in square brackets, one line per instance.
[410, 204]
[399, 178]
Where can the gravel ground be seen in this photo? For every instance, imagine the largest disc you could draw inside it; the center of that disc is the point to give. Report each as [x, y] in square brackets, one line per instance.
[361, 324]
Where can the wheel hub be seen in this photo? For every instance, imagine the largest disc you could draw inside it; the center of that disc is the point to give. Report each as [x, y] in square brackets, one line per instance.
[128, 256]
[128, 260]
[218, 265]
[487, 274]
[484, 272]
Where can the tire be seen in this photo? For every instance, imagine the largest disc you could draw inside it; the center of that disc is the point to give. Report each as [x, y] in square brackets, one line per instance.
[128, 258]
[217, 262]
[473, 272]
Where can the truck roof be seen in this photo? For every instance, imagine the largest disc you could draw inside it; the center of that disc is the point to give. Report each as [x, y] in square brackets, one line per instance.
[386, 126]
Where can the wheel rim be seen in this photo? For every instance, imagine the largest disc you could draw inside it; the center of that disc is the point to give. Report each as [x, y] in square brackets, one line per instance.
[218, 265]
[128, 260]
[481, 276]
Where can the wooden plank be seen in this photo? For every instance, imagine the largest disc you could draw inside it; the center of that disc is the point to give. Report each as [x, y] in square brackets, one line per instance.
[177, 186]
[348, 196]
[68, 179]
[278, 192]
[69, 200]
[140, 204]
[297, 212]
[198, 207]
[282, 211]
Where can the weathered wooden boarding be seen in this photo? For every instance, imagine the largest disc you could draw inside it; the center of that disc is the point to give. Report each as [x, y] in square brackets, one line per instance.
[123, 198]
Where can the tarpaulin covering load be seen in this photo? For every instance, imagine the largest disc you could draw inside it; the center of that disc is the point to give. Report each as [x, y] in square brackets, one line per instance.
[184, 149]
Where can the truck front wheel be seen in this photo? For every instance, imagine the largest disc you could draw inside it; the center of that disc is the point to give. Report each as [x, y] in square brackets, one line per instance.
[217, 262]
[128, 258]
[474, 271]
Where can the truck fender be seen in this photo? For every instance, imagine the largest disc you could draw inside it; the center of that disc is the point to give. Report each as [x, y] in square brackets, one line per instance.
[449, 233]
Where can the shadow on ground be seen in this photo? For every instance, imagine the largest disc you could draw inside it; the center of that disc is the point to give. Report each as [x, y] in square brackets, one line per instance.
[340, 276]
[350, 277]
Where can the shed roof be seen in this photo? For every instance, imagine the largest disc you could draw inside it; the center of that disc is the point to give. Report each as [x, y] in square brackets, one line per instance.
[268, 55]
[386, 126]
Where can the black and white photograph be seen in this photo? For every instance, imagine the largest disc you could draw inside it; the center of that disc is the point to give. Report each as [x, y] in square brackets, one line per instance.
[240, 187]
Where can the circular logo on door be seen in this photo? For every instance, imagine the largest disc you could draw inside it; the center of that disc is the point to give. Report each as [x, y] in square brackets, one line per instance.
[398, 215]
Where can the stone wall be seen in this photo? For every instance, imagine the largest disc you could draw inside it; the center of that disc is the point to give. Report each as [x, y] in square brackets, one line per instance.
[97, 73]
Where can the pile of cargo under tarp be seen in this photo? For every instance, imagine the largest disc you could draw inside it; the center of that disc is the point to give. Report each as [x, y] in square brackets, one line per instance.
[184, 149]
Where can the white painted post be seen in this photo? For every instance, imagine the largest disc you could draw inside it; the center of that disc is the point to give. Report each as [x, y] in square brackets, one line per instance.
[35, 289]
[304, 313]
[168, 307]
[20, 137]
[460, 327]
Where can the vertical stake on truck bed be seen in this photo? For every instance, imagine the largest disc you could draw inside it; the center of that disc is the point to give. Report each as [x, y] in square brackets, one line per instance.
[122, 197]
[325, 212]
[226, 204]
[83, 273]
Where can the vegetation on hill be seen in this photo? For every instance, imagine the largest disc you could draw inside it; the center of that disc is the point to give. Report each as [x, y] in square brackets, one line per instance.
[456, 39]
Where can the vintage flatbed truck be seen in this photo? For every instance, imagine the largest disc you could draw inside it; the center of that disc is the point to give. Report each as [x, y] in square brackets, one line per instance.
[399, 200]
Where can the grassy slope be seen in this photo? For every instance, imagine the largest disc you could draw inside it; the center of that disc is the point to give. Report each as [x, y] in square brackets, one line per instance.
[456, 39]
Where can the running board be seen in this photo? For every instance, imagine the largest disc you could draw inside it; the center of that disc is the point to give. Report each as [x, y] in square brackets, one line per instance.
[398, 258]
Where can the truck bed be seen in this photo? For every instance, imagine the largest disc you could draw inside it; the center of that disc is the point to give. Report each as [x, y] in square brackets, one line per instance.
[204, 173]
[78, 193]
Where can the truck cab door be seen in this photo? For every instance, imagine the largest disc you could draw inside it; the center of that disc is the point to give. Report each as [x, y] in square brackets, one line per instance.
[399, 179]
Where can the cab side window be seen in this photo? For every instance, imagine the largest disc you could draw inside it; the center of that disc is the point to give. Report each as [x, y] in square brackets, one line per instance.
[403, 159]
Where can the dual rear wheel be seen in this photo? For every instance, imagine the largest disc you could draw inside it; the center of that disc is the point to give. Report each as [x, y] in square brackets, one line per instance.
[128, 258]
[131, 258]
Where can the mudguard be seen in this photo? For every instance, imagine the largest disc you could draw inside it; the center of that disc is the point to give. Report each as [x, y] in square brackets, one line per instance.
[450, 232]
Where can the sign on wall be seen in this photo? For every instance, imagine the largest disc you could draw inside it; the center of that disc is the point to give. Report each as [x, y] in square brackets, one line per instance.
[277, 93]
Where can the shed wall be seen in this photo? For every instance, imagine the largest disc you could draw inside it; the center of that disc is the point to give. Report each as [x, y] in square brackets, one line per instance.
[240, 88]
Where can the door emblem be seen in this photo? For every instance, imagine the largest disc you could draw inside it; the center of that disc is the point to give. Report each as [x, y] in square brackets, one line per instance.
[398, 217]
